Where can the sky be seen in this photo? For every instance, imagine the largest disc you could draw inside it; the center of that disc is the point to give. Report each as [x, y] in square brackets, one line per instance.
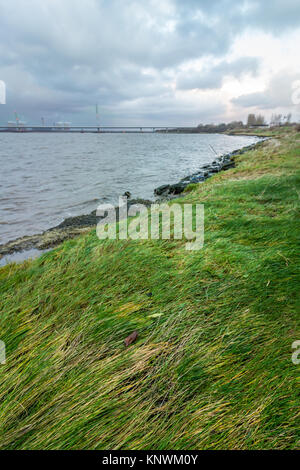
[154, 62]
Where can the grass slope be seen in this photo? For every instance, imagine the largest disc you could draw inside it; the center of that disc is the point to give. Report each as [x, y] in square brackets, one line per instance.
[212, 366]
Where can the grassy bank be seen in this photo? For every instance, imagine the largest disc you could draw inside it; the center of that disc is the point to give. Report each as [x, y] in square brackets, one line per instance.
[212, 365]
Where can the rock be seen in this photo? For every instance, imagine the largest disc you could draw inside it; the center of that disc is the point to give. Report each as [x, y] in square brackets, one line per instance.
[86, 220]
[171, 189]
[145, 202]
[214, 170]
[224, 162]
[162, 190]
[196, 179]
[227, 166]
[177, 188]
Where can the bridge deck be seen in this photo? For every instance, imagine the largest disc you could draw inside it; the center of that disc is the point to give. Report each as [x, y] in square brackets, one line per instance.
[95, 129]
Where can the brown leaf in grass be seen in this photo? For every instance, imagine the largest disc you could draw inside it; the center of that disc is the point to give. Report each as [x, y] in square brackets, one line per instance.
[131, 338]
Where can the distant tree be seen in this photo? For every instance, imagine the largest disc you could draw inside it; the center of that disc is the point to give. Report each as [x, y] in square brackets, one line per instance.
[251, 120]
[235, 125]
[260, 119]
[276, 119]
[288, 118]
[255, 120]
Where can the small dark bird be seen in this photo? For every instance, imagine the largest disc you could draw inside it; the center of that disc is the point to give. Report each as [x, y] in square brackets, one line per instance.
[149, 294]
[131, 338]
[127, 194]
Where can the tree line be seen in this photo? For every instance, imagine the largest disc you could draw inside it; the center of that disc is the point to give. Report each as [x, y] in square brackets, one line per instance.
[252, 120]
[276, 120]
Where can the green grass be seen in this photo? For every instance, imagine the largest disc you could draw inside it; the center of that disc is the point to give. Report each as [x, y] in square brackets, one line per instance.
[212, 365]
[276, 131]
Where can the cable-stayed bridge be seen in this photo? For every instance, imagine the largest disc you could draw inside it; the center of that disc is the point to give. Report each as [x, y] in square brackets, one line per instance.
[93, 129]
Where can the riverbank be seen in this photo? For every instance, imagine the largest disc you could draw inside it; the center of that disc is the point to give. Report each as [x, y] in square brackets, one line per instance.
[211, 368]
[73, 227]
[59, 176]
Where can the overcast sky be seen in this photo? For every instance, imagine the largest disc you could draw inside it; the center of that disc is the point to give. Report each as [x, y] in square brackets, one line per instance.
[160, 62]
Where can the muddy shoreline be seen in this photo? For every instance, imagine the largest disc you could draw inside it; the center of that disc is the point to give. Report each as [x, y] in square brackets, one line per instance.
[74, 226]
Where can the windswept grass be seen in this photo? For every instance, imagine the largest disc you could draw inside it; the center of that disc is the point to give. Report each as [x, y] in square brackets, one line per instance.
[212, 366]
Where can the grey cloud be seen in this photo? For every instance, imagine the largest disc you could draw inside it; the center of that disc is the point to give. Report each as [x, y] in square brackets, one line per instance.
[277, 94]
[212, 78]
[275, 16]
[65, 56]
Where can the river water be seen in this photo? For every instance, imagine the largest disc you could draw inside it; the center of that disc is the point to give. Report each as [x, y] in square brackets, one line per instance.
[45, 178]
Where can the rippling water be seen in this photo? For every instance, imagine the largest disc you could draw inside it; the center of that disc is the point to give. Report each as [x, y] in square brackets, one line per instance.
[47, 177]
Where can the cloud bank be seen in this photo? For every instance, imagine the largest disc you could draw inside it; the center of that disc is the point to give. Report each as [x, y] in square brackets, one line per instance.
[145, 62]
